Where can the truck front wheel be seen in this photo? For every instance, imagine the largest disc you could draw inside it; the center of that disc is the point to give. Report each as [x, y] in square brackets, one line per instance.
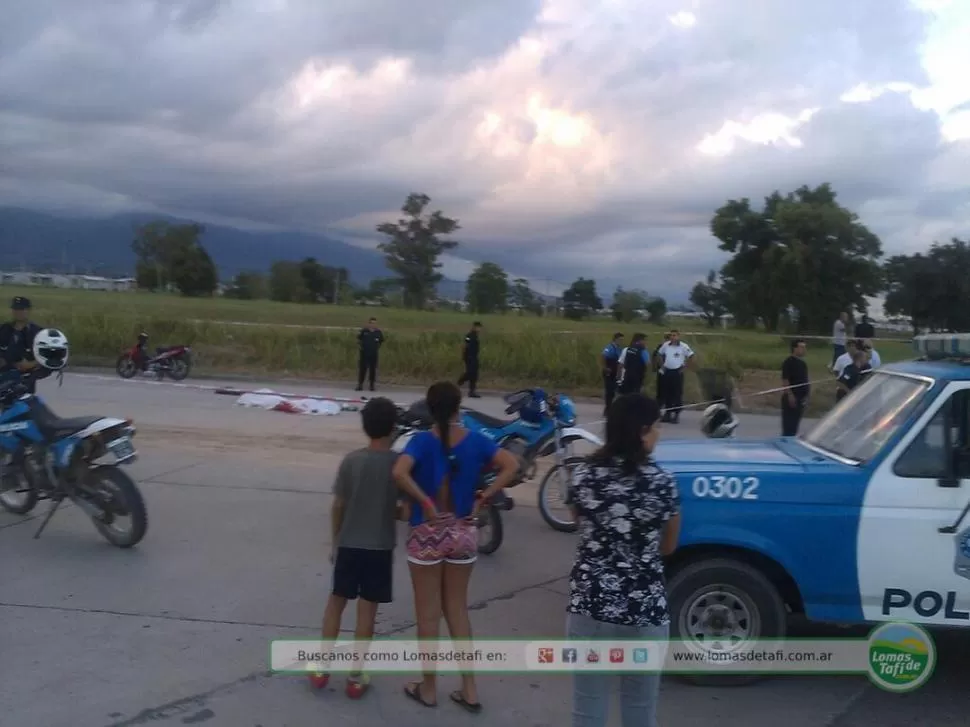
[722, 605]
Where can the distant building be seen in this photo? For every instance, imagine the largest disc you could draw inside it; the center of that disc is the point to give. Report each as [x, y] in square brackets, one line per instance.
[59, 280]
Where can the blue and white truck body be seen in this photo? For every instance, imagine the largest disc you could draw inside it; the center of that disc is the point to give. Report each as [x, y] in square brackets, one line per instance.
[863, 519]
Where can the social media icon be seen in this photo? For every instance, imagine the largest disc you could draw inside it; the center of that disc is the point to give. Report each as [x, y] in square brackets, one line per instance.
[616, 656]
[569, 656]
[546, 655]
[592, 657]
[640, 656]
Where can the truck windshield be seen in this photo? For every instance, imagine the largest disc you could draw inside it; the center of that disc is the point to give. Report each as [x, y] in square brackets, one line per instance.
[861, 424]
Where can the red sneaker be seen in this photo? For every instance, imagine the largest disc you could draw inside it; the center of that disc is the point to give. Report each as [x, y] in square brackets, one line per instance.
[357, 686]
[319, 680]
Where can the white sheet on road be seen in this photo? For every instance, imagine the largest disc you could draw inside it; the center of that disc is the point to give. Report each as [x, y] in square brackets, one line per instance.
[268, 399]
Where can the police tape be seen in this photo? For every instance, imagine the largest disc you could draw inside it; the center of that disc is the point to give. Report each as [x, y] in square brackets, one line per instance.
[735, 398]
[731, 333]
[895, 655]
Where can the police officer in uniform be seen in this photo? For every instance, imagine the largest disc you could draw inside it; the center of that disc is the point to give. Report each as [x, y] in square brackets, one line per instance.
[794, 400]
[469, 355]
[675, 355]
[17, 343]
[610, 363]
[369, 340]
[633, 365]
[657, 361]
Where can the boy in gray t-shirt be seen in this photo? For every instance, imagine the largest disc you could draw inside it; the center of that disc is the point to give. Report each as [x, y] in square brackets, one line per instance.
[364, 528]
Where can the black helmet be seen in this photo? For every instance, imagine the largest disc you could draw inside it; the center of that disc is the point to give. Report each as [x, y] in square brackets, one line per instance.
[142, 337]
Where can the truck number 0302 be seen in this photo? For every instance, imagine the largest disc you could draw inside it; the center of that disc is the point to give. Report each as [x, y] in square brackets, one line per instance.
[728, 488]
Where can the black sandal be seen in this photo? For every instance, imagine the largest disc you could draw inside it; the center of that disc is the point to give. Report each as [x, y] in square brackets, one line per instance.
[413, 691]
[458, 698]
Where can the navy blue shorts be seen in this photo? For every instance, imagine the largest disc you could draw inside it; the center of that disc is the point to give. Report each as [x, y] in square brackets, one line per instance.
[366, 574]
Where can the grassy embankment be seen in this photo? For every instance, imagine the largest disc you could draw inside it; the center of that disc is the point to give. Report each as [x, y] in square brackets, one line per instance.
[421, 347]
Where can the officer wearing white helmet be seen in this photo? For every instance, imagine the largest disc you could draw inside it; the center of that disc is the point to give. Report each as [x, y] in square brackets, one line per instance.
[718, 422]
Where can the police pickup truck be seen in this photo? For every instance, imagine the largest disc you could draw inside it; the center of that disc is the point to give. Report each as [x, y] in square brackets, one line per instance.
[864, 519]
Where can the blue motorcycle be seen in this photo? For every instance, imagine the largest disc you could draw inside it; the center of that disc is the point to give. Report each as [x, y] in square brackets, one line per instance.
[45, 457]
[543, 425]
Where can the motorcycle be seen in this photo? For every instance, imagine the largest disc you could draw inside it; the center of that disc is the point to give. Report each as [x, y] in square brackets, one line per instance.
[172, 361]
[544, 426]
[45, 457]
[549, 429]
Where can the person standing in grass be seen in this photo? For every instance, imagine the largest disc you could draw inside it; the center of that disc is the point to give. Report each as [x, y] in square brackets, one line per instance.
[675, 357]
[852, 375]
[610, 364]
[659, 372]
[865, 329]
[794, 377]
[633, 364]
[370, 339]
[363, 521]
[838, 336]
[469, 355]
[628, 508]
[851, 348]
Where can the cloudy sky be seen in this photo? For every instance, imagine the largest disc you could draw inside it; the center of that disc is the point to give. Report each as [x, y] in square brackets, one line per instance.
[570, 137]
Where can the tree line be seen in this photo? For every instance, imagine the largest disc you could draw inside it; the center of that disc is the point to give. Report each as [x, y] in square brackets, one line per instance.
[173, 257]
[794, 265]
[803, 258]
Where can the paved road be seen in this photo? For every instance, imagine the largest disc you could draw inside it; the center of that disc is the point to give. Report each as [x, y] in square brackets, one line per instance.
[176, 631]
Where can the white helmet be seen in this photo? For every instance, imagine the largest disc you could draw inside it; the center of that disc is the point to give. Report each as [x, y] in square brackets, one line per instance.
[51, 349]
[718, 422]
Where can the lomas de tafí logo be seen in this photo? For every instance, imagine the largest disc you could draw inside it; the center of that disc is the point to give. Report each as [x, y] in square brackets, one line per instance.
[901, 657]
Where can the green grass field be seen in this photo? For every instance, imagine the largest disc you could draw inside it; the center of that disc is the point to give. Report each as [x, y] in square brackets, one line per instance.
[287, 339]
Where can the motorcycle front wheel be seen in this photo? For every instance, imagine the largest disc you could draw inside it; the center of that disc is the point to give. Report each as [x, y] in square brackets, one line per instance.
[490, 530]
[126, 367]
[126, 519]
[553, 495]
[179, 369]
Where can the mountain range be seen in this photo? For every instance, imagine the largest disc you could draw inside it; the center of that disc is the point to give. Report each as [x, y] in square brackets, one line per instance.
[102, 246]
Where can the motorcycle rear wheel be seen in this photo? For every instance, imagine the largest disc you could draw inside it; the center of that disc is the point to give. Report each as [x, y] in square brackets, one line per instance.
[126, 367]
[118, 494]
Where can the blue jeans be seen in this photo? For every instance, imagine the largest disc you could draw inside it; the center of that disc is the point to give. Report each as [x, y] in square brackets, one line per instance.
[639, 693]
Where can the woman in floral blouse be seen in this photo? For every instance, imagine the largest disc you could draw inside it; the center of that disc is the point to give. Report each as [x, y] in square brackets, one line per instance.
[629, 511]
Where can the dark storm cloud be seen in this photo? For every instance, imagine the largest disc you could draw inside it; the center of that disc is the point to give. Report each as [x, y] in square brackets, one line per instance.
[291, 113]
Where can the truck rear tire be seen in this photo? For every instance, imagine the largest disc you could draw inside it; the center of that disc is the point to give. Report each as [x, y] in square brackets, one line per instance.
[727, 601]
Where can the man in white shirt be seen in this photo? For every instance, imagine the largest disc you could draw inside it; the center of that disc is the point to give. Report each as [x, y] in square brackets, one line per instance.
[846, 358]
[874, 360]
[838, 336]
[675, 356]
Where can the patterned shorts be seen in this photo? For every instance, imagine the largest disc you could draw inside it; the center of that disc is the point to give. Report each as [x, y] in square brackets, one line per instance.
[449, 541]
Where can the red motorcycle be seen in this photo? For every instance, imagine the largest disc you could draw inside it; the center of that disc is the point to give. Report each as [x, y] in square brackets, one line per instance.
[172, 361]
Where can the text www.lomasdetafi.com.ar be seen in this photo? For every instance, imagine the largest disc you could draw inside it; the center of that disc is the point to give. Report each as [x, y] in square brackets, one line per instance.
[752, 657]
